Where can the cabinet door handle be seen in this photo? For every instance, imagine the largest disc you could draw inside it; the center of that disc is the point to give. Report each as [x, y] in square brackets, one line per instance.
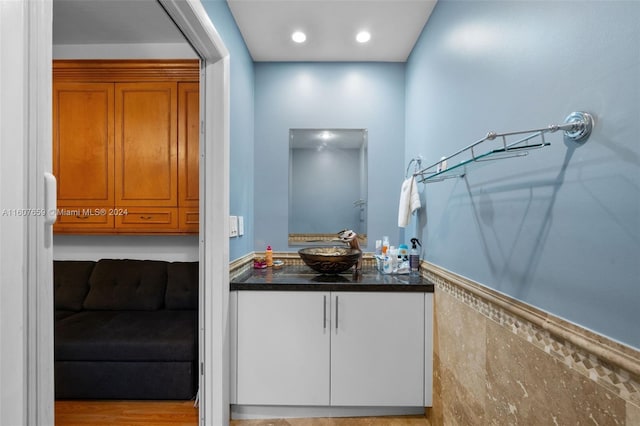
[324, 313]
[145, 217]
[336, 313]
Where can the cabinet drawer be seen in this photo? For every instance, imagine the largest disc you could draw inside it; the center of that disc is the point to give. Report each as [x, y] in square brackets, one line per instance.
[189, 220]
[147, 219]
[83, 219]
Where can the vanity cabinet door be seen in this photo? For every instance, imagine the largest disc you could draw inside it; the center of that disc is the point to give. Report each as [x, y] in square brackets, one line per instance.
[377, 349]
[283, 348]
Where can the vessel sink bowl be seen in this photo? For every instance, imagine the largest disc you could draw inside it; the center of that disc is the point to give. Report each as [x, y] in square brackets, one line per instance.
[329, 260]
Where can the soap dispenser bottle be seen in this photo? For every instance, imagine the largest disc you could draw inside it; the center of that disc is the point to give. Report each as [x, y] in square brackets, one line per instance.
[414, 256]
[268, 256]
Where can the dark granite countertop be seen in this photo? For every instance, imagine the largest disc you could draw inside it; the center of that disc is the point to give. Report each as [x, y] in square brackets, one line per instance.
[303, 278]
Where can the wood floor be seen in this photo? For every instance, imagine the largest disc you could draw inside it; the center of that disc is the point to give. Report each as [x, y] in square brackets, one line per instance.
[183, 413]
[120, 413]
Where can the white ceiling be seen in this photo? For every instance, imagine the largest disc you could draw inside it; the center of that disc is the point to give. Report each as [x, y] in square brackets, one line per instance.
[266, 26]
[331, 27]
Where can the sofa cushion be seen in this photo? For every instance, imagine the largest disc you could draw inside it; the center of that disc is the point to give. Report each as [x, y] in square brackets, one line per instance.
[127, 336]
[71, 283]
[182, 286]
[127, 285]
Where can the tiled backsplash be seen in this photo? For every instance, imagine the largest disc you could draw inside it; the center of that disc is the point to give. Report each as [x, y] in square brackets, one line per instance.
[500, 361]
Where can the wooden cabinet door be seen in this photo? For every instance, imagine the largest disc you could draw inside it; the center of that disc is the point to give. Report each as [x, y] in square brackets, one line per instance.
[188, 144]
[377, 349]
[83, 143]
[189, 155]
[283, 348]
[146, 157]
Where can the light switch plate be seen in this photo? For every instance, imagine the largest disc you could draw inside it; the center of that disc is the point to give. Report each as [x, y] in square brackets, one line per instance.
[233, 226]
[240, 225]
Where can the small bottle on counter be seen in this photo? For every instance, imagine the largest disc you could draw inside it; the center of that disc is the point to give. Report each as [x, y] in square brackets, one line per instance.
[268, 256]
[414, 256]
[385, 245]
[403, 252]
[393, 257]
[387, 265]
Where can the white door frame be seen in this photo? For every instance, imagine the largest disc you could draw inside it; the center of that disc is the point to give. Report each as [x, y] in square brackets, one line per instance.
[194, 22]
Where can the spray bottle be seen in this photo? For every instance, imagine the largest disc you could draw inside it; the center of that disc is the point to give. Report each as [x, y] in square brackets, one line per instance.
[414, 256]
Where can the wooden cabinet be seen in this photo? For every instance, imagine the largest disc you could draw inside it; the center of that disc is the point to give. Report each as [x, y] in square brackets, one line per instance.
[126, 140]
[331, 349]
[188, 155]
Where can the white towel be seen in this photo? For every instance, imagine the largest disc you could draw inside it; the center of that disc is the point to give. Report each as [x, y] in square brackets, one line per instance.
[409, 201]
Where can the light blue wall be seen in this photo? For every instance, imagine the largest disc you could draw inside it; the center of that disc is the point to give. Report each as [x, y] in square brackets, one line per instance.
[241, 80]
[559, 229]
[326, 95]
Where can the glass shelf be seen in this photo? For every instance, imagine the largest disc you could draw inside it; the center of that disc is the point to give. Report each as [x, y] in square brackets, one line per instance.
[577, 127]
[460, 170]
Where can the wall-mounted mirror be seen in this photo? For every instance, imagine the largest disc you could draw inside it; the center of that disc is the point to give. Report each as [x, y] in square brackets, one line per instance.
[327, 184]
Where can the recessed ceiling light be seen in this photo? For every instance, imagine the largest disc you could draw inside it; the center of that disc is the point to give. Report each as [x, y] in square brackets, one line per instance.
[298, 37]
[363, 36]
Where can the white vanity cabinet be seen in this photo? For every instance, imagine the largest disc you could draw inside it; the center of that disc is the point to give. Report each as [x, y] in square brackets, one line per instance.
[316, 348]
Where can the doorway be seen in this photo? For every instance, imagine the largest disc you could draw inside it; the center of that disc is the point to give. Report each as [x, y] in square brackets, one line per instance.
[194, 24]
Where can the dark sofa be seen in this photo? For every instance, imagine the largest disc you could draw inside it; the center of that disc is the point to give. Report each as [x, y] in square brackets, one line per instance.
[126, 329]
